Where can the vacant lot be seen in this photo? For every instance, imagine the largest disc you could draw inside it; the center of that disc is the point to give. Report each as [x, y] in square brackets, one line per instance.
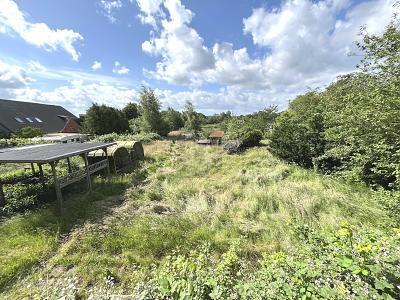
[182, 200]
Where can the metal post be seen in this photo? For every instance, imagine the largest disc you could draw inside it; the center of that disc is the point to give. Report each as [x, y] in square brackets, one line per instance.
[57, 187]
[2, 197]
[108, 162]
[69, 165]
[41, 176]
[89, 181]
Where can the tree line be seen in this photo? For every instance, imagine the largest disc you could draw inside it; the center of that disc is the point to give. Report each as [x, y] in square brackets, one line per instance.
[144, 117]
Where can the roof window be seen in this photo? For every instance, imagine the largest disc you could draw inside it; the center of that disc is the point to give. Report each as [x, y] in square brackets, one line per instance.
[19, 120]
[29, 120]
[37, 119]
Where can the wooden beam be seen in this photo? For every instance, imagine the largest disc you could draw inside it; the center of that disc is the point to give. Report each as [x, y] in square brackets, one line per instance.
[2, 197]
[33, 169]
[57, 187]
[108, 162]
[41, 176]
[69, 165]
[89, 181]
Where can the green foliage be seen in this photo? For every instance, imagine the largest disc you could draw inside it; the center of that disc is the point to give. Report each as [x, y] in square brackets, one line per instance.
[131, 111]
[29, 132]
[342, 265]
[351, 128]
[102, 119]
[150, 110]
[193, 120]
[14, 142]
[298, 132]
[141, 137]
[243, 130]
[173, 119]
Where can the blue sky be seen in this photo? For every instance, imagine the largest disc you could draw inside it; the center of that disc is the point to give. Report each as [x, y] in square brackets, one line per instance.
[237, 55]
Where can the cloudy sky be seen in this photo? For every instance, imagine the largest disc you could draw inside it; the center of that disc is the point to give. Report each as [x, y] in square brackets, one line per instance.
[241, 55]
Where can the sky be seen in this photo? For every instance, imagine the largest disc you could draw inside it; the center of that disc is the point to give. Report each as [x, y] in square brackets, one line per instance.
[238, 55]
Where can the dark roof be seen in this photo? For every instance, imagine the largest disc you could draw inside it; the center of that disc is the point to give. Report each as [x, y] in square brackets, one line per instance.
[47, 153]
[216, 134]
[52, 116]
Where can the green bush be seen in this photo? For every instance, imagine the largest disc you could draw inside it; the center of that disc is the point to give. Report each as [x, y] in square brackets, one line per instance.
[343, 265]
[352, 127]
[29, 132]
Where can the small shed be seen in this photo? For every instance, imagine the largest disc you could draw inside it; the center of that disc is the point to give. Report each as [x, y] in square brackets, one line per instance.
[134, 148]
[216, 136]
[118, 157]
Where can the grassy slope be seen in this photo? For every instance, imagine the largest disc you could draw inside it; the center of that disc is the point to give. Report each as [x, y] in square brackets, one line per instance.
[192, 195]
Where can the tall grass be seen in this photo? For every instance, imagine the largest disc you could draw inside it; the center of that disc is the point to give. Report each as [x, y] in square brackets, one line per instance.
[184, 196]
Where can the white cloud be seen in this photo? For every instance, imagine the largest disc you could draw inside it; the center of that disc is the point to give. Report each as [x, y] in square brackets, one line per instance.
[119, 69]
[305, 45]
[39, 34]
[150, 10]
[183, 54]
[78, 95]
[35, 66]
[96, 65]
[109, 7]
[12, 76]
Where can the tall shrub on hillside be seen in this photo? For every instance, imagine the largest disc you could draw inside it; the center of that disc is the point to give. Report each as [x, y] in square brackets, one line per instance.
[103, 119]
[298, 132]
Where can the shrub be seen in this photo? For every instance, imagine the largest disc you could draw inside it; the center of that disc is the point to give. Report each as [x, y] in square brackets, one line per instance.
[29, 132]
[342, 265]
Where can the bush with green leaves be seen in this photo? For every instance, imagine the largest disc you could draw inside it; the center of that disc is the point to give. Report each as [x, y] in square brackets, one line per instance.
[29, 132]
[141, 137]
[345, 264]
[352, 127]
[103, 119]
[242, 130]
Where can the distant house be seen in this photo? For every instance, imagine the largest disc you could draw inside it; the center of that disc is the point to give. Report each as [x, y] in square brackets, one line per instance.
[216, 136]
[15, 115]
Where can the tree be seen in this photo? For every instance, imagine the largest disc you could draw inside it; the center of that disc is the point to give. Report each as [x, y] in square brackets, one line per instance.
[150, 109]
[131, 111]
[298, 132]
[192, 119]
[102, 119]
[173, 118]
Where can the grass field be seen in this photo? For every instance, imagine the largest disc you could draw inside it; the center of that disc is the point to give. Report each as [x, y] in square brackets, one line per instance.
[183, 197]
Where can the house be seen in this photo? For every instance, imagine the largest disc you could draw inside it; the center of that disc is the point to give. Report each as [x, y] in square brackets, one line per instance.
[15, 115]
[216, 136]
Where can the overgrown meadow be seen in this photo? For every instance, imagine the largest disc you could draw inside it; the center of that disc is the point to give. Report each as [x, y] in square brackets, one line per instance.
[192, 222]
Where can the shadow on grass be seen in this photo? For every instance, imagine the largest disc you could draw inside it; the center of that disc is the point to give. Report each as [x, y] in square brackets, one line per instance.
[33, 236]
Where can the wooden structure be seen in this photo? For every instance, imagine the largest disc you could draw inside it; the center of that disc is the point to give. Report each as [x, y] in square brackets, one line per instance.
[118, 157]
[216, 136]
[52, 154]
[134, 148]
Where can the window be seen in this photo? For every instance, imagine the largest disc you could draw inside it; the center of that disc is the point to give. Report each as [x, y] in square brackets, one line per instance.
[37, 119]
[19, 120]
[29, 120]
